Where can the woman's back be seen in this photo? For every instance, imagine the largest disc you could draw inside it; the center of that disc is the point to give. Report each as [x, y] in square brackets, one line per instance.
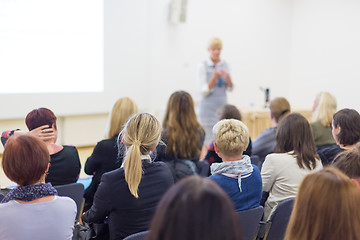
[41, 221]
[64, 166]
[281, 177]
[127, 214]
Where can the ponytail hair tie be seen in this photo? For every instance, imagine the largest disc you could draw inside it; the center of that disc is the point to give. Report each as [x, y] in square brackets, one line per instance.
[137, 142]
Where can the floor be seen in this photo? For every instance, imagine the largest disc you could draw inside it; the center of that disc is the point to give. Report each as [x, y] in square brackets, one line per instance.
[84, 153]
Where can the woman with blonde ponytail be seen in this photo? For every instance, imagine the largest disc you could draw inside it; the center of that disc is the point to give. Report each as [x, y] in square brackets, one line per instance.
[128, 196]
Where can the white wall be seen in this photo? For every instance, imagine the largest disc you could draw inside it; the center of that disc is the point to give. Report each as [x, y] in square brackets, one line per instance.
[256, 37]
[325, 51]
[295, 47]
[147, 58]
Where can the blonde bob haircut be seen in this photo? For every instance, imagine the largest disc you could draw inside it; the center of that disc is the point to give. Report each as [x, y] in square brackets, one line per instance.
[326, 208]
[325, 107]
[215, 43]
[231, 137]
[122, 110]
[140, 135]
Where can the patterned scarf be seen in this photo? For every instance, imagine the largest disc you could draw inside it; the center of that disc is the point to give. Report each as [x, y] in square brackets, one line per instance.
[30, 192]
[242, 168]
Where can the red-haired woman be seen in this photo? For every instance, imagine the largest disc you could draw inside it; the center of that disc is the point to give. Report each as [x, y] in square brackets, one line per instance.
[32, 210]
[65, 163]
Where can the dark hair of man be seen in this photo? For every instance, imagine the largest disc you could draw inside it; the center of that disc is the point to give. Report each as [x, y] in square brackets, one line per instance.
[279, 108]
[349, 122]
[349, 162]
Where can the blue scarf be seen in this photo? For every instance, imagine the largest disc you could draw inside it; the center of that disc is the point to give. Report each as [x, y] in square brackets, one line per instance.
[30, 192]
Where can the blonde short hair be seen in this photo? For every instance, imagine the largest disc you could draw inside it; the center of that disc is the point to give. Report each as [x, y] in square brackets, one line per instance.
[326, 108]
[231, 136]
[215, 43]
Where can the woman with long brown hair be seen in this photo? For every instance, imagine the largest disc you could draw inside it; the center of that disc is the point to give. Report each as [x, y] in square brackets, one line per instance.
[295, 156]
[182, 133]
[326, 208]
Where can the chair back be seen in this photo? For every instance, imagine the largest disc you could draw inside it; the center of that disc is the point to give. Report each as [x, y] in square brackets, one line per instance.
[1, 196]
[279, 220]
[137, 236]
[75, 191]
[203, 168]
[249, 220]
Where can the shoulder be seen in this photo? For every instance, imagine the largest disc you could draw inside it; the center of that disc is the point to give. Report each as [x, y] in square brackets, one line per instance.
[269, 132]
[256, 169]
[6, 205]
[216, 177]
[113, 174]
[278, 157]
[157, 166]
[109, 141]
[316, 125]
[70, 148]
[65, 201]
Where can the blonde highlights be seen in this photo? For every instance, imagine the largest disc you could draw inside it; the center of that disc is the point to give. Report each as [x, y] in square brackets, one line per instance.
[231, 137]
[121, 111]
[325, 108]
[140, 135]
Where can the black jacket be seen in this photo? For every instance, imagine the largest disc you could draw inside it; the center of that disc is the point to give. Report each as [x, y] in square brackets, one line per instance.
[127, 214]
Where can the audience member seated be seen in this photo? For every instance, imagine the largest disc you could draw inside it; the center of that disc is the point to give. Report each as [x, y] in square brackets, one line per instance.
[226, 112]
[182, 135]
[349, 163]
[236, 175]
[128, 196]
[346, 132]
[323, 110]
[265, 143]
[106, 156]
[195, 208]
[295, 157]
[65, 163]
[326, 208]
[32, 210]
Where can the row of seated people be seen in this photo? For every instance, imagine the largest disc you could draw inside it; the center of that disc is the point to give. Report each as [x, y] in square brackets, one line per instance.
[178, 121]
[186, 210]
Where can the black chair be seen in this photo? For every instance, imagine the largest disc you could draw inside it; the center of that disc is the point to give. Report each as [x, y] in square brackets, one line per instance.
[75, 191]
[277, 224]
[204, 168]
[250, 220]
[137, 236]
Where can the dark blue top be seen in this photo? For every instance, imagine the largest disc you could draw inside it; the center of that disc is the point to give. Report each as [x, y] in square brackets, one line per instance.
[251, 189]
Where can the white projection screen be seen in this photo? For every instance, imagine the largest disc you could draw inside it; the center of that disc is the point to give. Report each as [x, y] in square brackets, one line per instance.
[49, 46]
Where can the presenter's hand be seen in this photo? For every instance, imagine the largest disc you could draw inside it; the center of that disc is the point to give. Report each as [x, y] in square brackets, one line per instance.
[43, 132]
[227, 78]
[217, 73]
[225, 74]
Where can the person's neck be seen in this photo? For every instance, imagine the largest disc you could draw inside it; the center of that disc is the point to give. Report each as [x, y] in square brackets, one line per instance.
[231, 159]
[53, 147]
[38, 200]
[347, 147]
